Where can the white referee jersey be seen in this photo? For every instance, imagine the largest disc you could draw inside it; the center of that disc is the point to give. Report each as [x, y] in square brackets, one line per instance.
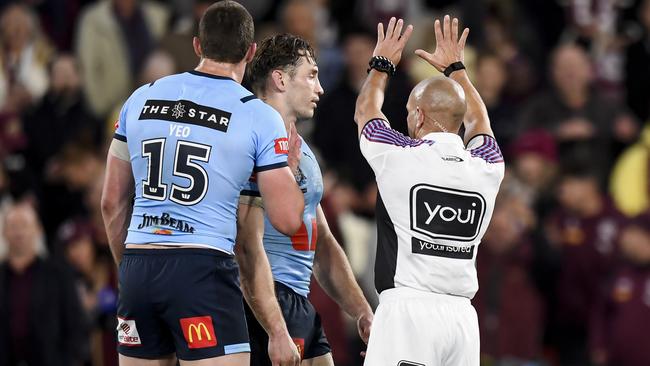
[436, 198]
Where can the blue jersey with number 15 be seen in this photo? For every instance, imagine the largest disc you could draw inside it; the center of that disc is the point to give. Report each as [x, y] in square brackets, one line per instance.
[193, 141]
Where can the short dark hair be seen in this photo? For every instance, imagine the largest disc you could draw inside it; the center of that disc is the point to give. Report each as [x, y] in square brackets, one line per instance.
[282, 51]
[226, 32]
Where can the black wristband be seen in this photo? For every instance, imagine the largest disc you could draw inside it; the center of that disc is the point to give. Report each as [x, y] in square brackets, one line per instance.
[453, 67]
[383, 64]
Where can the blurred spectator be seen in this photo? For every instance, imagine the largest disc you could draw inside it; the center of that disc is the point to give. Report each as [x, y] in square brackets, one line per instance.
[60, 118]
[40, 313]
[72, 173]
[637, 69]
[24, 54]
[620, 334]
[534, 162]
[585, 230]
[308, 19]
[114, 39]
[96, 285]
[499, 40]
[5, 202]
[509, 306]
[490, 78]
[178, 44]
[629, 183]
[334, 131]
[59, 19]
[582, 122]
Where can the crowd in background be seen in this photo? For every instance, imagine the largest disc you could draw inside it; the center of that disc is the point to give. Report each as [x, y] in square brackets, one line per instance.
[564, 269]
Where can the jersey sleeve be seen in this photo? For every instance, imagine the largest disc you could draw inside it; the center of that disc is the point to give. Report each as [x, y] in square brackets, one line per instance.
[378, 138]
[486, 148]
[120, 125]
[271, 142]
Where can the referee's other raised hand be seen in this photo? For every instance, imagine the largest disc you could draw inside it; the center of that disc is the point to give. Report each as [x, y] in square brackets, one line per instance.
[449, 47]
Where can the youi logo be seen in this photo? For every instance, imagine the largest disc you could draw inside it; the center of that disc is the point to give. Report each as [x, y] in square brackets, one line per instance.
[446, 213]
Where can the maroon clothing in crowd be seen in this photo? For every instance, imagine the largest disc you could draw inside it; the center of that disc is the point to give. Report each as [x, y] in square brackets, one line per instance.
[588, 246]
[621, 325]
[509, 306]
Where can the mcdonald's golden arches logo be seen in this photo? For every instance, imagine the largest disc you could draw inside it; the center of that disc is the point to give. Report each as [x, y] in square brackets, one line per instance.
[199, 332]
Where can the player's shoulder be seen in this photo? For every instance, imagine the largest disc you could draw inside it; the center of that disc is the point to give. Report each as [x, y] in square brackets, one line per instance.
[259, 109]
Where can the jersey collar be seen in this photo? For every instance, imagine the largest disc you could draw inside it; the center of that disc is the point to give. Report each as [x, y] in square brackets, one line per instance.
[443, 137]
[211, 76]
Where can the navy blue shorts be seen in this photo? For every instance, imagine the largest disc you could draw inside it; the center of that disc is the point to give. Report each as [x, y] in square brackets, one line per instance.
[303, 323]
[183, 301]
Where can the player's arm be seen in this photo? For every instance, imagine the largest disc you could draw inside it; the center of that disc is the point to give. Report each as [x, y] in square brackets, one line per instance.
[371, 96]
[450, 49]
[257, 282]
[332, 271]
[283, 200]
[117, 197]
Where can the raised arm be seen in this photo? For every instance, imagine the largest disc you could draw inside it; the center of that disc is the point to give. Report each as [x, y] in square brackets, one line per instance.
[371, 97]
[449, 50]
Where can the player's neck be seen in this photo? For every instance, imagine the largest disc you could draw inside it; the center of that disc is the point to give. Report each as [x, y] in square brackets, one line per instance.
[279, 105]
[233, 71]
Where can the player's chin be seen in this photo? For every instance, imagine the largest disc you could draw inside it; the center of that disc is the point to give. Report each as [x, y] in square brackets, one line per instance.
[308, 112]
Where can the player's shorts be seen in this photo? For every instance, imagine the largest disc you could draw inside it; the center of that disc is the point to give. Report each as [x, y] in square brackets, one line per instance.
[303, 323]
[417, 328]
[183, 301]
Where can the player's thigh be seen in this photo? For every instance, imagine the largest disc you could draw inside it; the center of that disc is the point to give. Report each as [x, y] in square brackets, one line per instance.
[324, 360]
[169, 360]
[237, 359]
[467, 345]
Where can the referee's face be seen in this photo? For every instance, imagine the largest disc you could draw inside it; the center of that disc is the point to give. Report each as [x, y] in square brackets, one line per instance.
[304, 89]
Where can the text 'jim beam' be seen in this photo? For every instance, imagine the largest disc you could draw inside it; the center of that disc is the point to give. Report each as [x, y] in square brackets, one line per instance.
[184, 111]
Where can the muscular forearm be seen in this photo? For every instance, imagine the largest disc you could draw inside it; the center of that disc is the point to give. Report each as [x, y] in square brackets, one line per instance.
[371, 96]
[333, 273]
[257, 287]
[116, 222]
[476, 118]
[254, 270]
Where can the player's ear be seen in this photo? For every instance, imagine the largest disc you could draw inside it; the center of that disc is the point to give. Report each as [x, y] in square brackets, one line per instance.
[250, 54]
[278, 80]
[196, 43]
[419, 118]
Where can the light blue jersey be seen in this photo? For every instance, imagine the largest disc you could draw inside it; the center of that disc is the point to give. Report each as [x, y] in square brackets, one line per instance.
[292, 258]
[193, 140]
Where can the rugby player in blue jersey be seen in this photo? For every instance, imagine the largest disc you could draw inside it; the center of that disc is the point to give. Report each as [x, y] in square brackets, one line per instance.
[184, 147]
[284, 74]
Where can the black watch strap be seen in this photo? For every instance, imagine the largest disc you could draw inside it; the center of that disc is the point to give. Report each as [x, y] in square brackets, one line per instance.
[383, 64]
[453, 67]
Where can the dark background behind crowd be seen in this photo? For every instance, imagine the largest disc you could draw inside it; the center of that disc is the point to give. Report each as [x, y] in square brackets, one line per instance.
[564, 269]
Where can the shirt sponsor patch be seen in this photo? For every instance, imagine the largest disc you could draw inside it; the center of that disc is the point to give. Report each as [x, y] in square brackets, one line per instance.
[199, 332]
[282, 145]
[184, 111]
[445, 213]
[419, 246]
[127, 332]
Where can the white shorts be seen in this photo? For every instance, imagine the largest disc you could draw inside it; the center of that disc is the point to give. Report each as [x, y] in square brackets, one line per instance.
[415, 328]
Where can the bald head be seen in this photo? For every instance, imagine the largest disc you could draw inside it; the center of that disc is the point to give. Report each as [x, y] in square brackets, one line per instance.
[441, 104]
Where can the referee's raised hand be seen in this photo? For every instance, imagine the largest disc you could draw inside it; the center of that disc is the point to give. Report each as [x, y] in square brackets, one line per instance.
[449, 48]
[391, 43]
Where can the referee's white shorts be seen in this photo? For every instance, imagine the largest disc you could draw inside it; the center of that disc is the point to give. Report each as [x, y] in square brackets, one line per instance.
[414, 328]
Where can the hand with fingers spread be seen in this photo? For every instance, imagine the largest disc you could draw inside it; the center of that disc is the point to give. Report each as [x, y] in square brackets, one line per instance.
[391, 43]
[449, 48]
